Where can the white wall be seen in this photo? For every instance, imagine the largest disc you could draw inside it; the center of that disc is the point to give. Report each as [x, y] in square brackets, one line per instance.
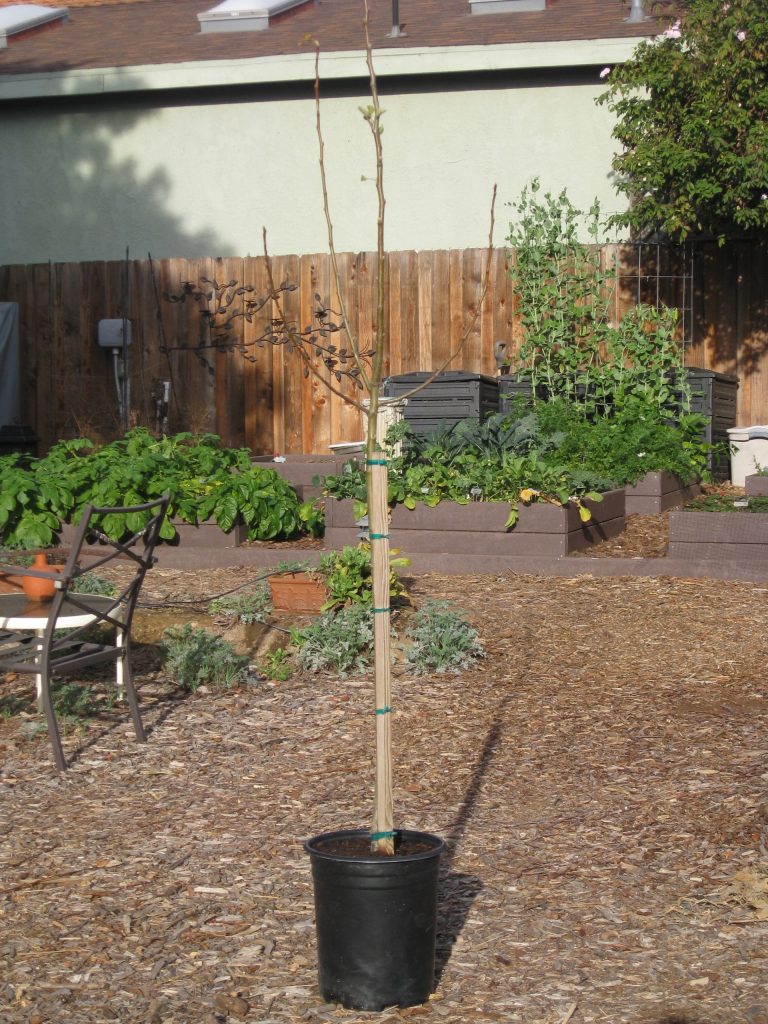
[202, 180]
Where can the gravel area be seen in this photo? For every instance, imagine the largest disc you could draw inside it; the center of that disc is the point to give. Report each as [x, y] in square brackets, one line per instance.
[599, 777]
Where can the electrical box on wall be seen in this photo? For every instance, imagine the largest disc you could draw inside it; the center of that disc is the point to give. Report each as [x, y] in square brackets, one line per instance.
[114, 333]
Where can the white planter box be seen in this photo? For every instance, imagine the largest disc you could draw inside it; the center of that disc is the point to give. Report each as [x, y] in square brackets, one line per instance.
[749, 451]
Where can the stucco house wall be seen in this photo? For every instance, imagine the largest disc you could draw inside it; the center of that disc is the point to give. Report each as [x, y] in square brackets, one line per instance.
[193, 159]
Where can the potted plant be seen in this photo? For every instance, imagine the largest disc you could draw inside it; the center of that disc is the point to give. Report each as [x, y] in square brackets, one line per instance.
[297, 587]
[376, 888]
[395, 909]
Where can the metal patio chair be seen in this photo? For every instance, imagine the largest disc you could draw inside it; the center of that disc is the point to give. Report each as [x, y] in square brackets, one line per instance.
[57, 638]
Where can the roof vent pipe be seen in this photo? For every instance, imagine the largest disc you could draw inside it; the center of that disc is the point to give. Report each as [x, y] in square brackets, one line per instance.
[637, 12]
[396, 30]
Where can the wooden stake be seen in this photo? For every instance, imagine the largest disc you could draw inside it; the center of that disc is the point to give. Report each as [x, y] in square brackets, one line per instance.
[382, 839]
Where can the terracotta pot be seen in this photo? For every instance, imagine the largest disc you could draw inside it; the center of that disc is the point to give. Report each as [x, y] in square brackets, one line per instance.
[297, 592]
[36, 588]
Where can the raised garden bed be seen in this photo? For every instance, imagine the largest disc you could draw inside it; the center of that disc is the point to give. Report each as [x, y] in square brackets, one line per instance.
[658, 492]
[206, 535]
[478, 528]
[301, 470]
[756, 486]
[209, 535]
[736, 539]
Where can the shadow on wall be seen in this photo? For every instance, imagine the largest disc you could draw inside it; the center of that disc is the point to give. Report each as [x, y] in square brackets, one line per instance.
[75, 189]
[719, 292]
[84, 180]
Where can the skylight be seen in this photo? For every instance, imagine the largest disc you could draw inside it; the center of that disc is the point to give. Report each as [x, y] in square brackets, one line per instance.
[505, 6]
[244, 15]
[23, 17]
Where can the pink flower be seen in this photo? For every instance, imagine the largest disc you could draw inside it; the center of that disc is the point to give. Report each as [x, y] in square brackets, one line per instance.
[741, 35]
[605, 72]
[674, 31]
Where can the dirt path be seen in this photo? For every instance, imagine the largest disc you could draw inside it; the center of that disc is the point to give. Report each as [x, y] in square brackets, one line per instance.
[600, 779]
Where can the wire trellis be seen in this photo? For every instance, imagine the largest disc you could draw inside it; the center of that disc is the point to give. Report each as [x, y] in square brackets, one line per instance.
[658, 274]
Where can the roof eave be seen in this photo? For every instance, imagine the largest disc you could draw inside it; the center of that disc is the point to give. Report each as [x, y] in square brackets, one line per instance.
[299, 67]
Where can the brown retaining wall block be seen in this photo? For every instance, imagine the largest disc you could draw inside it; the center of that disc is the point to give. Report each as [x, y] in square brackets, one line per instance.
[478, 528]
[301, 470]
[206, 535]
[656, 492]
[736, 539]
[756, 486]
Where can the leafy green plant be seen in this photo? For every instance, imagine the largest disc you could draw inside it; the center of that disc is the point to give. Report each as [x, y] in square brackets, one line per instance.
[277, 665]
[92, 583]
[562, 290]
[441, 640]
[637, 440]
[498, 461]
[11, 705]
[571, 349]
[312, 517]
[30, 509]
[719, 502]
[288, 565]
[247, 606]
[691, 110]
[338, 641]
[73, 701]
[195, 658]
[204, 479]
[349, 576]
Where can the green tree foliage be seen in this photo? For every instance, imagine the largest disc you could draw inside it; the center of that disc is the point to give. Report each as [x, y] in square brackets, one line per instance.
[692, 109]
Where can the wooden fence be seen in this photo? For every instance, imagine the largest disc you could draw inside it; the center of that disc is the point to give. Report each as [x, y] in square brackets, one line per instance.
[260, 398]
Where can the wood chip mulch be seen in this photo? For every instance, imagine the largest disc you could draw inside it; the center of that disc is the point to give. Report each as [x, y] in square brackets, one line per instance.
[642, 537]
[600, 779]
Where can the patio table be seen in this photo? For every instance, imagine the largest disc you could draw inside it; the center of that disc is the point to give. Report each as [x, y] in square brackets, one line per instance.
[18, 612]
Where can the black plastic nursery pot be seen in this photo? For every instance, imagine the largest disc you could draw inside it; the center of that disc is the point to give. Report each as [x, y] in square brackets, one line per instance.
[376, 919]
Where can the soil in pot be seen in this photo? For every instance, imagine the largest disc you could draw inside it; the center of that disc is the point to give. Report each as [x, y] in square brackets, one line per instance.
[354, 845]
[376, 918]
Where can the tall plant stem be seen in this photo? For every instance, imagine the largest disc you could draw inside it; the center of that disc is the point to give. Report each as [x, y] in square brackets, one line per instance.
[383, 830]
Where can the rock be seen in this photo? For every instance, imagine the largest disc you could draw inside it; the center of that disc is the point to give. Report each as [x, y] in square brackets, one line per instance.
[246, 639]
[235, 1006]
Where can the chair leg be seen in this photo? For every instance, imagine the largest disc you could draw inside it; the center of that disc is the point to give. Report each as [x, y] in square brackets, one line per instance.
[133, 700]
[120, 640]
[53, 728]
